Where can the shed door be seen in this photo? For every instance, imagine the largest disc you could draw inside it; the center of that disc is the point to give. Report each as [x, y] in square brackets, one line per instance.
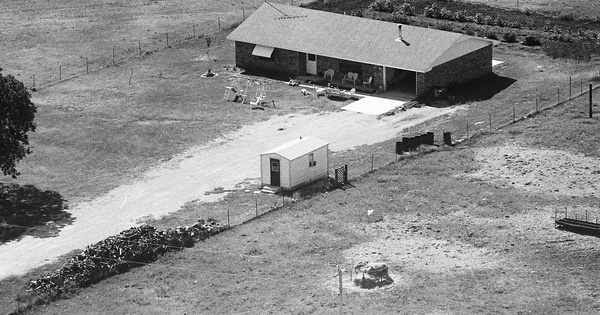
[311, 64]
[275, 172]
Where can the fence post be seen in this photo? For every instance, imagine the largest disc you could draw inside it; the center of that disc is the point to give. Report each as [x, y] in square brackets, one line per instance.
[87, 68]
[536, 105]
[140, 47]
[372, 156]
[219, 20]
[33, 79]
[590, 100]
[467, 130]
[194, 31]
[557, 95]
[256, 204]
[113, 56]
[570, 87]
[167, 39]
[243, 15]
[490, 122]
[59, 73]
[228, 217]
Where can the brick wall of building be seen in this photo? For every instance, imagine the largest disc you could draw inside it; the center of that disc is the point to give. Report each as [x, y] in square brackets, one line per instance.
[282, 61]
[465, 68]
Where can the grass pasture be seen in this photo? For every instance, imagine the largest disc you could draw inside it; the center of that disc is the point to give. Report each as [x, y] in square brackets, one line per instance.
[457, 242]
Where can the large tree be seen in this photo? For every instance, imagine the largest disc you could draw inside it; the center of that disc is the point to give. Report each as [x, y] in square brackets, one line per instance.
[16, 120]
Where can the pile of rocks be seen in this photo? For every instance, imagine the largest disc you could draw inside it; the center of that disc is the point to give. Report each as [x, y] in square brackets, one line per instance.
[118, 254]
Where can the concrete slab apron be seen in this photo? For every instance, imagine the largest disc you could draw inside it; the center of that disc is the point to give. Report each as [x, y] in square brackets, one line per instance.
[222, 163]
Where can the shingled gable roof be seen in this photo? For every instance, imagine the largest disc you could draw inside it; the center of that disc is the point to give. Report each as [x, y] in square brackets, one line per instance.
[297, 147]
[352, 38]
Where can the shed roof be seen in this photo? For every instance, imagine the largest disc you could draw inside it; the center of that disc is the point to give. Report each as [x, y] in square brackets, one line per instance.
[352, 38]
[297, 147]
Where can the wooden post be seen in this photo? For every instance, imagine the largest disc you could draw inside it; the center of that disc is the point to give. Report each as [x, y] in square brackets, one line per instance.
[243, 15]
[167, 39]
[227, 217]
[557, 95]
[341, 289]
[33, 79]
[140, 47]
[570, 86]
[372, 156]
[467, 130]
[59, 73]
[87, 68]
[256, 204]
[194, 31]
[490, 122]
[219, 20]
[536, 105]
[590, 100]
[130, 76]
[514, 115]
[113, 56]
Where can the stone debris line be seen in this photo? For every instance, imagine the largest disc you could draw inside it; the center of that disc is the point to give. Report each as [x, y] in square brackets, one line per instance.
[119, 253]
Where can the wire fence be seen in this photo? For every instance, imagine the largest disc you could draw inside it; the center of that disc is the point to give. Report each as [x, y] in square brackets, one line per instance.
[115, 53]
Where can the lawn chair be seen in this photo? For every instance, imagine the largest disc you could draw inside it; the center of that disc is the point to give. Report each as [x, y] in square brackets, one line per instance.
[329, 73]
[354, 78]
[348, 77]
[368, 81]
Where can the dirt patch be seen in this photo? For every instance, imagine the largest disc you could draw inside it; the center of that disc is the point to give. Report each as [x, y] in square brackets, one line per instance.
[539, 170]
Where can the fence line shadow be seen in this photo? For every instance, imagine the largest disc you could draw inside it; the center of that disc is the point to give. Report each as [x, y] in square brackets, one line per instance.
[27, 210]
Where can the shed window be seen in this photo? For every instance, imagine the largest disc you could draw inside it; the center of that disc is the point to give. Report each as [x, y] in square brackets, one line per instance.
[311, 160]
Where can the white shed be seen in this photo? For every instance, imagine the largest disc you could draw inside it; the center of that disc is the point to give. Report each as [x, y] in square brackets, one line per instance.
[295, 163]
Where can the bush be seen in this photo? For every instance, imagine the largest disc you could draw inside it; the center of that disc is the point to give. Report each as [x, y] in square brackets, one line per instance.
[387, 6]
[461, 15]
[509, 37]
[499, 22]
[531, 41]
[406, 9]
[446, 14]
[491, 35]
[432, 11]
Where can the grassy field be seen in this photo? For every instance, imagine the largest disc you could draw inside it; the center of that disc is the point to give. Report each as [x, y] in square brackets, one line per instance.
[455, 244]
[97, 131]
[576, 8]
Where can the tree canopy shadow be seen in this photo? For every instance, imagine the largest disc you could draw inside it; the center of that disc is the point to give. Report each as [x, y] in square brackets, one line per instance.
[27, 210]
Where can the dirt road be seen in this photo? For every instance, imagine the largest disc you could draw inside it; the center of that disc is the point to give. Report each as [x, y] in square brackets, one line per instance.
[223, 163]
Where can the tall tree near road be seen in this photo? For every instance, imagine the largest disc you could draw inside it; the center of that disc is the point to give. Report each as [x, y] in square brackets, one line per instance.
[16, 120]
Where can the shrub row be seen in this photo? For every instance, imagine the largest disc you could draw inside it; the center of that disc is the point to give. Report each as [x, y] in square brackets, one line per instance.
[435, 12]
[118, 254]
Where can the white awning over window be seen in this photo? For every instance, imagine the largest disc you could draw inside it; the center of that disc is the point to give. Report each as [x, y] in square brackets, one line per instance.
[263, 51]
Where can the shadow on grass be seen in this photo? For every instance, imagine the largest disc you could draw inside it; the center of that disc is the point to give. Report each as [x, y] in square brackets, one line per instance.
[26, 210]
[476, 90]
[481, 89]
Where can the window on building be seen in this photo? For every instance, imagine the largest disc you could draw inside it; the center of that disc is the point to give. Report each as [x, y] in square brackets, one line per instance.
[311, 160]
